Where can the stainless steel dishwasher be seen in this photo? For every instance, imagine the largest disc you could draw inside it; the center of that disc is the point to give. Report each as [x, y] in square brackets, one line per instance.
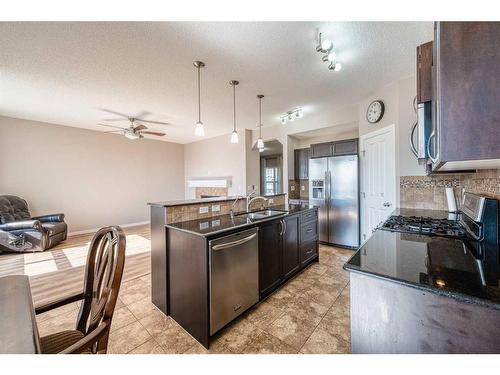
[234, 276]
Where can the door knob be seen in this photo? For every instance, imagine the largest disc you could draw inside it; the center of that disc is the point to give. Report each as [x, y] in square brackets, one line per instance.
[387, 204]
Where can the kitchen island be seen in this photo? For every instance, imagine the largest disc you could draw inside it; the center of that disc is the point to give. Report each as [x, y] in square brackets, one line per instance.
[211, 270]
[414, 293]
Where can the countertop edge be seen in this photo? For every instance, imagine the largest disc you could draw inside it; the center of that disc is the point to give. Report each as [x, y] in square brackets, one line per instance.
[455, 295]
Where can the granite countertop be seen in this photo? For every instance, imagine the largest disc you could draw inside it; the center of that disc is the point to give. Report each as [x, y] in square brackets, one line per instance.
[219, 224]
[203, 200]
[445, 266]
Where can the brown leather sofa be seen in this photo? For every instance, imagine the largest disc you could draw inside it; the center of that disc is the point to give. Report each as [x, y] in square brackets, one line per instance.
[39, 232]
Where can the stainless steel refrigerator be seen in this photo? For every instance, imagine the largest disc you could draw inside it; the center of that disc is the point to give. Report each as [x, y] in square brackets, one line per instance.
[334, 188]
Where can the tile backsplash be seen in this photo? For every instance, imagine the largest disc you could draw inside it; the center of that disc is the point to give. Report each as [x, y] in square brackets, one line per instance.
[178, 213]
[429, 191]
[300, 191]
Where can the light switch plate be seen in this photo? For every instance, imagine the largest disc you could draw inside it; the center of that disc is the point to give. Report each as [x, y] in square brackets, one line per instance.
[292, 188]
[204, 210]
[302, 187]
[216, 208]
[271, 200]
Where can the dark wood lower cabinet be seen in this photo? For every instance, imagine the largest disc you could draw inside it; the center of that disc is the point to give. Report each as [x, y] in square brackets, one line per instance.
[270, 255]
[282, 248]
[291, 260]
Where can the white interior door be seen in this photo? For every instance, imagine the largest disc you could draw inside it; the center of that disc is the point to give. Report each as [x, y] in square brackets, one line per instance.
[378, 178]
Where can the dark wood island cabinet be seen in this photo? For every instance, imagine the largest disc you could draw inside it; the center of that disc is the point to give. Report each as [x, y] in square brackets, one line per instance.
[182, 267]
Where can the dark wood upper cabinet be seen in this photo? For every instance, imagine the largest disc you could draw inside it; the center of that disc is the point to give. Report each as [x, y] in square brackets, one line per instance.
[466, 97]
[346, 147]
[270, 255]
[291, 256]
[424, 72]
[301, 159]
[322, 150]
[337, 148]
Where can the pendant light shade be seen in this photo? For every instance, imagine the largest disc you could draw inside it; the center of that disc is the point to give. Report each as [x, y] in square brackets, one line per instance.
[260, 141]
[199, 129]
[234, 134]
[234, 137]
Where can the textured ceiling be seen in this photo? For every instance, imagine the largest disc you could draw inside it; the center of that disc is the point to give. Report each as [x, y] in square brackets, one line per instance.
[63, 73]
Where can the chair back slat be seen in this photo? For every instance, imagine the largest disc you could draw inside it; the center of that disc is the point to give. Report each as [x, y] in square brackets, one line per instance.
[103, 275]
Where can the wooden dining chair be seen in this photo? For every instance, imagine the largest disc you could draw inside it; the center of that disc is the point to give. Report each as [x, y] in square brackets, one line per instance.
[103, 275]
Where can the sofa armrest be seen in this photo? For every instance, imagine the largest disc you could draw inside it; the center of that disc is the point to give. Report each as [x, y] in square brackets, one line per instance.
[53, 218]
[21, 225]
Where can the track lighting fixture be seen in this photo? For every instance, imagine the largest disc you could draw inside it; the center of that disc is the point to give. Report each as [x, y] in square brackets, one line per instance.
[325, 46]
[291, 115]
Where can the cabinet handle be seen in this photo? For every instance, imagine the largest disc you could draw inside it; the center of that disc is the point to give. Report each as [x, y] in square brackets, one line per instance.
[309, 251]
[284, 223]
[309, 230]
[282, 228]
[234, 243]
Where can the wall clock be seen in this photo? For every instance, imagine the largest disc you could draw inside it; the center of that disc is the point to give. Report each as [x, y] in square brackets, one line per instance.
[375, 111]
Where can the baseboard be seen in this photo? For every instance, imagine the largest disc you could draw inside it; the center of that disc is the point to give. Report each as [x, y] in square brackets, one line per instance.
[93, 230]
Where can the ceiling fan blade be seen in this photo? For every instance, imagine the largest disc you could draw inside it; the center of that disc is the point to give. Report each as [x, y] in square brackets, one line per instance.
[153, 122]
[115, 119]
[142, 114]
[111, 126]
[154, 133]
[140, 127]
[114, 112]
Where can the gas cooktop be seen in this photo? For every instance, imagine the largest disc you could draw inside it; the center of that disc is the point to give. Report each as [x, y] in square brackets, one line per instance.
[424, 225]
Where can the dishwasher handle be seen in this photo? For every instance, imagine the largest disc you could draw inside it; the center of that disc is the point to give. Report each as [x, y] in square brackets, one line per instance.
[233, 243]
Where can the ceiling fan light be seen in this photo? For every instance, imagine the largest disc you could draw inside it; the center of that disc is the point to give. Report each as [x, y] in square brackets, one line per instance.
[199, 129]
[234, 137]
[337, 67]
[291, 117]
[131, 135]
[260, 144]
[283, 120]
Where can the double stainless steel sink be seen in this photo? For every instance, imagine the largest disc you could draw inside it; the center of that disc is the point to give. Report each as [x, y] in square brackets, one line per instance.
[260, 215]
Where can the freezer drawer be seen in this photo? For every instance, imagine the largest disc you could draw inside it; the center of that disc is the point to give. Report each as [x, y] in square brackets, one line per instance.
[234, 276]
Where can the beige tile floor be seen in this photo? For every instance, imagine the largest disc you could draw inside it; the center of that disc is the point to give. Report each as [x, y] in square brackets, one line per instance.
[309, 314]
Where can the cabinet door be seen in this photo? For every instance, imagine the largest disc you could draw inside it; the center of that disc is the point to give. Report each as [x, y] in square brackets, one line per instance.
[297, 163]
[467, 93]
[291, 256]
[270, 255]
[321, 150]
[424, 72]
[304, 157]
[347, 147]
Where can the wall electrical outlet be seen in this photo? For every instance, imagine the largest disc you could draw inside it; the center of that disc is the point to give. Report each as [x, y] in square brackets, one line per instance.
[271, 200]
[204, 210]
[292, 188]
[302, 187]
[216, 208]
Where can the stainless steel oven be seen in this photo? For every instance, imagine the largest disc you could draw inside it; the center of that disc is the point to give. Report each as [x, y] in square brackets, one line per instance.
[234, 276]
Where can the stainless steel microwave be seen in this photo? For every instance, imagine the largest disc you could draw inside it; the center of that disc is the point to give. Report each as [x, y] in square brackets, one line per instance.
[423, 128]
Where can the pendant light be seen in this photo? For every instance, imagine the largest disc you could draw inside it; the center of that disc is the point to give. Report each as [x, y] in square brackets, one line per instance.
[234, 134]
[199, 129]
[260, 142]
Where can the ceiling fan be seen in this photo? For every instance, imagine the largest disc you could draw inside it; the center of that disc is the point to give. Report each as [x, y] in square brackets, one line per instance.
[135, 130]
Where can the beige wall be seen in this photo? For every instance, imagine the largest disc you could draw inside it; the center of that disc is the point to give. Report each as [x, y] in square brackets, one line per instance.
[398, 99]
[216, 157]
[96, 179]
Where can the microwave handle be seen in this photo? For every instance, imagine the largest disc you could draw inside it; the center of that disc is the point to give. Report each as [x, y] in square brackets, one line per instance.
[412, 144]
[433, 158]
